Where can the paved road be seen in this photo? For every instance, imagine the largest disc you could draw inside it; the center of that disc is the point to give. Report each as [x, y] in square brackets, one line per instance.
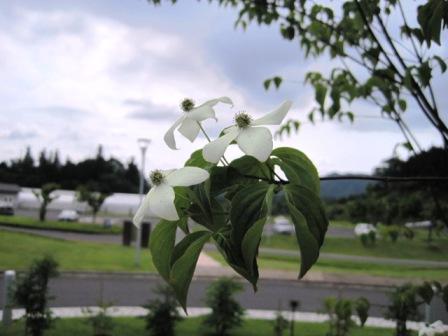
[126, 290]
[116, 239]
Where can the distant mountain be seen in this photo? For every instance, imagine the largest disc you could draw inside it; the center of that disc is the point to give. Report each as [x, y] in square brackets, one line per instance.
[342, 188]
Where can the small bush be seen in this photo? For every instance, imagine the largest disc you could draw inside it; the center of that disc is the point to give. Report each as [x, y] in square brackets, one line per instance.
[340, 314]
[162, 313]
[32, 294]
[403, 306]
[101, 322]
[368, 239]
[226, 313]
[280, 324]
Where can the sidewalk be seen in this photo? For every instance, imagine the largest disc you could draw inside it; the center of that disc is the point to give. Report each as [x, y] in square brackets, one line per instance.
[194, 312]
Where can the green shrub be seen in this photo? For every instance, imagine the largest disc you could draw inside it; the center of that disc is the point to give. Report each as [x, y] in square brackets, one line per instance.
[162, 313]
[340, 314]
[403, 306]
[280, 324]
[102, 324]
[226, 313]
[32, 294]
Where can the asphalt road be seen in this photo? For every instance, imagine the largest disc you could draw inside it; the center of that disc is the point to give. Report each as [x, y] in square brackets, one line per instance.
[75, 290]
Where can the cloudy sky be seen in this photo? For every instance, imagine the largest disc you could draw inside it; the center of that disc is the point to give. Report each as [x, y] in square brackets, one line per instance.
[75, 74]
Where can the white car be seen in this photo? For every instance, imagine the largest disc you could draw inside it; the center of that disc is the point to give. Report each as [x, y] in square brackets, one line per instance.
[364, 228]
[283, 227]
[68, 216]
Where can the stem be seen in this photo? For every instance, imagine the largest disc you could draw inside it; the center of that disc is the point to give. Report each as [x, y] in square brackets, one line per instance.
[223, 160]
[426, 179]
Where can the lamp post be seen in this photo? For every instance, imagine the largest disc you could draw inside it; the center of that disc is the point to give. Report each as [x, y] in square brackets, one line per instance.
[143, 145]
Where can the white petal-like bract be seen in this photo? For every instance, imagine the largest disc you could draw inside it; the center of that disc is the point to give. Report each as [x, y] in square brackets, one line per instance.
[189, 129]
[187, 176]
[214, 150]
[141, 211]
[161, 202]
[169, 135]
[275, 117]
[256, 142]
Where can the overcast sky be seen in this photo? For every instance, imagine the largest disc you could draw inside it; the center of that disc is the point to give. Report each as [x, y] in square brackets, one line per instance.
[75, 74]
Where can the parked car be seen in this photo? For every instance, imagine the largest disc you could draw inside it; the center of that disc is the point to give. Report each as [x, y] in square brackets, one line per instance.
[6, 209]
[68, 216]
[282, 226]
[364, 228]
[420, 225]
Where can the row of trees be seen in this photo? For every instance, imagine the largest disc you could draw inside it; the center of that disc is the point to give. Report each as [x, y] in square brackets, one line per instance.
[105, 175]
[85, 194]
[397, 203]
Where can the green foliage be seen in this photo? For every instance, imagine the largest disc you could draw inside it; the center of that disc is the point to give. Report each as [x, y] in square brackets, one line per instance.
[368, 239]
[94, 199]
[107, 174]
[45, 197]
[162, 313]
[232, 206]
[280, 324]
[227, 313]
[31, 294]
[374, 66]
[403, 307]
[101, 323]
[340, 314]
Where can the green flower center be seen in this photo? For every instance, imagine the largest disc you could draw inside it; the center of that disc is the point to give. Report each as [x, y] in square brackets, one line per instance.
[156, 177]
[187, 105]
[243, 120]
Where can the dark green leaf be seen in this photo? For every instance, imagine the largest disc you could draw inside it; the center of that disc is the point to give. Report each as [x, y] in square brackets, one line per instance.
[297, 167]
[402, 104]
[424, 73]
[441, 62]
[310, 222]
[197, 160]
[184, 259]
[161, 245]
[277, 81]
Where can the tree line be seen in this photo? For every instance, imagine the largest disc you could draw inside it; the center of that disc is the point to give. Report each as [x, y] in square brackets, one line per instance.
[398, 203]
[101, 174]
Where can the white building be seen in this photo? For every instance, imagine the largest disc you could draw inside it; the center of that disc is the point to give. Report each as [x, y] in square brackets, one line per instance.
[8, 197]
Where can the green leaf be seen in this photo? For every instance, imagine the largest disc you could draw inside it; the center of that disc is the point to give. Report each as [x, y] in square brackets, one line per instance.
[248, 165]
[310, 222]
[250, 207]
[267, 83]
[424, 73]
[430, 17]
[441, 62]
[161, 245]
[320, 94]
[197, 160]
[277, 81]
[249, 248]
[402, 104]
[297, 167]
[184, 259]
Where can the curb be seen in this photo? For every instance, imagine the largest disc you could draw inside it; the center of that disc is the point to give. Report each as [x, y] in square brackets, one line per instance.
[123, 311]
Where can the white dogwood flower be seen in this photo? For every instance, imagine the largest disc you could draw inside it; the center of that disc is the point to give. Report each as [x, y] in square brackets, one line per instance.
[252, 140]
[188, 123]
[160, 199]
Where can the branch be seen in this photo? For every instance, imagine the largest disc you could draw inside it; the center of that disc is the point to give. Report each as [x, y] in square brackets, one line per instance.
[387, 178]
[426, 179]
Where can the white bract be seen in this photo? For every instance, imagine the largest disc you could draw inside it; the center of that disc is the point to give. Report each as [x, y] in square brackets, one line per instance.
[160, 199]
[252, 140]
[188, 124]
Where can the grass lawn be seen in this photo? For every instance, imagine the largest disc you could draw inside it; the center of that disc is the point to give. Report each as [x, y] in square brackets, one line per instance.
[335, 266]
[17, 250]
[27, 222]
[417, 248]
[190, 326]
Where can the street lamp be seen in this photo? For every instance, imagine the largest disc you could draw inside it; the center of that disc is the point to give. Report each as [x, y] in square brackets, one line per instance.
[143, 145]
